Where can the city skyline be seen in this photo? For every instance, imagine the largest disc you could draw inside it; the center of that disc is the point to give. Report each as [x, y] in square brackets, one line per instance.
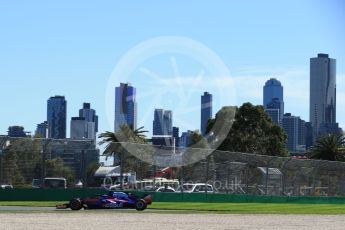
[268, 99]
[46, 55]
[125, 93]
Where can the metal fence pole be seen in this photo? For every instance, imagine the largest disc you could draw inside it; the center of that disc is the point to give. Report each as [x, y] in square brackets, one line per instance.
[246, 171]
[83, 163]
[207, 169]
[182, 180]
[283, 176]
[43, 166]
[266, 191]
[121, 169]
[154, 171]
[207, 173]
[228, 177]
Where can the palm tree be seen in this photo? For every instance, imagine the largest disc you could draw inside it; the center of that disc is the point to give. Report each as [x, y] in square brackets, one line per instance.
[330, 147]
[139, 132]
[126, 134]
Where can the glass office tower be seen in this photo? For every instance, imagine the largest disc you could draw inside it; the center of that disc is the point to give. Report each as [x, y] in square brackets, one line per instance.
[206, 111]
[125, 107]
[322, 107]
[56, 117]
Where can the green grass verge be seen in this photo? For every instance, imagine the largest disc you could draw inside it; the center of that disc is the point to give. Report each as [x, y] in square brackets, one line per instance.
[230, 208]
[253, 208]
[31, 203]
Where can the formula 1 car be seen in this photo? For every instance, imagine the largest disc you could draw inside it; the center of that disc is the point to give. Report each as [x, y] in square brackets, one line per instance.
[113, 200]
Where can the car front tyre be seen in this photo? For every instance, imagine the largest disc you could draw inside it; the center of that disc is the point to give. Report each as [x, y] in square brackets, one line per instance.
[140, 205]
[75, 204]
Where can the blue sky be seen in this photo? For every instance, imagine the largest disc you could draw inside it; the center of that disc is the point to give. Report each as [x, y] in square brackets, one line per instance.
[71, 48]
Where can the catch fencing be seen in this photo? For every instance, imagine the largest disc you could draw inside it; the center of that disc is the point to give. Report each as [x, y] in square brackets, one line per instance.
[147, 168]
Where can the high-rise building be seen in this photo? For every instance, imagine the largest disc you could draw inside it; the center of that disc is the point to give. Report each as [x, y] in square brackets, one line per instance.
[163, 140]
[86, 125]
[176, 136]
[308, 135]
[125, 107]
[16, 131]
[295, 129]
[206, 111]
[78, 128]
[89, 115]
[274, 96]
[185, 139]
[162, 123]
[322, 107]
[42, 130]
[274, 115]
[301, 133]
[56, 117]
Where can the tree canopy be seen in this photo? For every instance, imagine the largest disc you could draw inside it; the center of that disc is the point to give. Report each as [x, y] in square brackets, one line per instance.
[22, 162]
[114, 147]
[252, 131]
[330, 147]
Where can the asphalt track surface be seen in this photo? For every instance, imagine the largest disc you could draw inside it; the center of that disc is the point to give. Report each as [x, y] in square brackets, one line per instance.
[19, 217]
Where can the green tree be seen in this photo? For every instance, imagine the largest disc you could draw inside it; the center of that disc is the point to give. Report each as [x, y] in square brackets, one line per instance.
[140, 134]
[28, 157]
[197, 140]
[204, 169]
[114, 146]
[219, 127]
[56, 168]
[18, 181]
[11, 173]
[90, 174]
[330, 147]
[21, 160]
[252, 131]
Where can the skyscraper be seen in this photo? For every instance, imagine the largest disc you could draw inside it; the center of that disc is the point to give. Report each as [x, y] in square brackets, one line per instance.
[176, 136]
[302, 135]
[308, 135]
[86, 125]
[78, 128]
[322, 107]
[206, 111]
[162, 122]
[274, 96]
[125, 106]
[185, 139]
[274, 115]
[295, 129]
[42, 130]
[89, 114]
[56, 117]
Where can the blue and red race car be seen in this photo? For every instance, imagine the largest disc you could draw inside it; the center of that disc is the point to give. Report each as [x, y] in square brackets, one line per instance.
[112, 200]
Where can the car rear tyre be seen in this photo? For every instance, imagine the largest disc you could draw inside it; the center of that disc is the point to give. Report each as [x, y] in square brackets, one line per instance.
[140, 205]
[75, 204]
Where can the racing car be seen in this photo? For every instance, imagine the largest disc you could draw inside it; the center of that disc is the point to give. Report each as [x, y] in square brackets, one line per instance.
[112, 200]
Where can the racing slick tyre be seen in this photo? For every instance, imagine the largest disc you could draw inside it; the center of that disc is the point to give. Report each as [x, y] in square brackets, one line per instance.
[140, 205]
[75, 204]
